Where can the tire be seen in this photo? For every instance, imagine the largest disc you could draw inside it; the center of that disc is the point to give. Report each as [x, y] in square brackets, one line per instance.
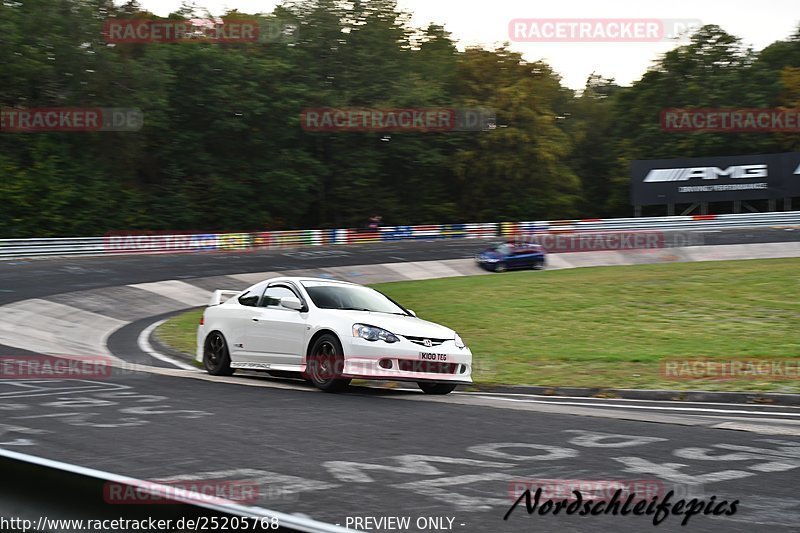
[216, 358]
[436, 388]
[325, 364]
[539, 265]
[500, 267]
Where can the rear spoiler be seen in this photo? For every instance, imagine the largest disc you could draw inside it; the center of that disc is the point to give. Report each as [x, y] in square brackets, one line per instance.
[219, 294]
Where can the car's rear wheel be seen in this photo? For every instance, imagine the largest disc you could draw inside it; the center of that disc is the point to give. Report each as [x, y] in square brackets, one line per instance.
[500, 267]
[436, 388]
[216, 358]
[538, 265]
[325, 364]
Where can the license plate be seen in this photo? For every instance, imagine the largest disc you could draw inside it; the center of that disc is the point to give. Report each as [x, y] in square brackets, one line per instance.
[428, 356]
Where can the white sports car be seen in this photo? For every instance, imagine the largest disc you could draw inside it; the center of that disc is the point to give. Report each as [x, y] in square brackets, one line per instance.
[328, 332]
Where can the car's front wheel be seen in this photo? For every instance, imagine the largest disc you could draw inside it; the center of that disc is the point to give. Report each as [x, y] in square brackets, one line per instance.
[216, 358]
[325, 364]
[436, 388]
[500, 267]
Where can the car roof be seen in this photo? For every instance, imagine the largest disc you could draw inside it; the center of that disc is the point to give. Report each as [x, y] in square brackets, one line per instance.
[301, 279]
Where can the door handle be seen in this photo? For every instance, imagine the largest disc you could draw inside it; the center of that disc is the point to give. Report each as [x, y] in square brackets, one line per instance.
[255, 319]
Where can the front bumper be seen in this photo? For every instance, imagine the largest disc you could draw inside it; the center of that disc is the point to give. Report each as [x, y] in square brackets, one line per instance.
[488, 263]
[407, 361]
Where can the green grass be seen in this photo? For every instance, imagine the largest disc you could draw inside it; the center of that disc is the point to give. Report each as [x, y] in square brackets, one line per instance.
[180, 332]
[609, 326]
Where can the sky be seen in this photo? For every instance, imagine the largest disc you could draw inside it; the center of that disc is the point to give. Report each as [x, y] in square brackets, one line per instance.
[486, 23]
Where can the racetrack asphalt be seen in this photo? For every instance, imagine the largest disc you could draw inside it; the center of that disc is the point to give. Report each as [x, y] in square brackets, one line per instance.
[379, 453]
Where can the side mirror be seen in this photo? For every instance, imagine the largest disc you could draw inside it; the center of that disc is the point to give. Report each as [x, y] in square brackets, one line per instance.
[412, 312]
[291, 302]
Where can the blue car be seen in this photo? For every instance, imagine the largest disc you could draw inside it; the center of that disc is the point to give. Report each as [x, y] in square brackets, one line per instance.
[511, 256]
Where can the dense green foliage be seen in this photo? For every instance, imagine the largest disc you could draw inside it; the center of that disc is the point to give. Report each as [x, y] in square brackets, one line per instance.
[222, 148]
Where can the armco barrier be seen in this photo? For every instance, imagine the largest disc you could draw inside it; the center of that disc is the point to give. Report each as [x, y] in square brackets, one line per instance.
[159, 242]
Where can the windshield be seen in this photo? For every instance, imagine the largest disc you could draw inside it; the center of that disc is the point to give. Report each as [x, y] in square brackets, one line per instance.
[352, 297]
[504, 249]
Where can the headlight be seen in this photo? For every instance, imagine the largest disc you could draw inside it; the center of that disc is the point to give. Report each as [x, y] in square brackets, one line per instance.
[459, 342]
[491, 260]
[371, 333]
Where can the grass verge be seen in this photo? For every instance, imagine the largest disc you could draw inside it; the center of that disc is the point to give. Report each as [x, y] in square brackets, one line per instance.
[608, 327]
[180, 332]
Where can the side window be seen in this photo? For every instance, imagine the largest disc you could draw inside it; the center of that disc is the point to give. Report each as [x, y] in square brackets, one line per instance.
[273, 295]
[249, 298]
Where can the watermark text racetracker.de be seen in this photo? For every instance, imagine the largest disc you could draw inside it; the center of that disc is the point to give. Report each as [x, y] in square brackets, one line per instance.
[168, 492]
[731, 120]
[600, 30]
[49, 367]
[66, 367]
[198, 30]
[176, 242]
[352, 119]
[70, 119]
[94, 525]
[596, 241]
[736, 368]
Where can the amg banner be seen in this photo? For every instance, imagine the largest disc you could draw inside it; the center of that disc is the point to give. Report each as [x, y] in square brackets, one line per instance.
[791, 173]
[715, 179]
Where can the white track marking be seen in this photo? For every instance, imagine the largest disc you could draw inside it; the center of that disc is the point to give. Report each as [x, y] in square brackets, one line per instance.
[759, 428]
[231, 380]
[595, 439]
[787, 421]
[632, 400]
[355, 472]
[654, 407]
[144, 345]
[30, 388]
[674, 471]
[287, 484]
[494, 450]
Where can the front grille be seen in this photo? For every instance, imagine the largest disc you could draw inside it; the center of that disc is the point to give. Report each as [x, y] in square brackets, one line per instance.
[429, 367]
[421, 340]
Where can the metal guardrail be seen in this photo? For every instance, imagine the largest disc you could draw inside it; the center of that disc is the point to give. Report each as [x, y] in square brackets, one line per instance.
[53, 496]
[166, 242]
[689, 222]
